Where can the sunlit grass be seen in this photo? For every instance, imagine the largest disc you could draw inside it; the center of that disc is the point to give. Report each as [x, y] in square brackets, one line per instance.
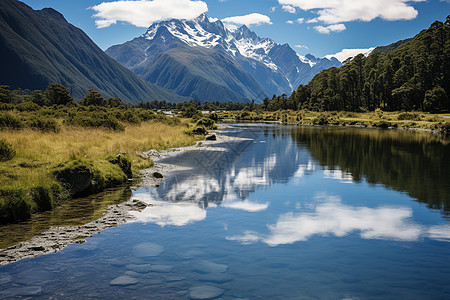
[39, 152]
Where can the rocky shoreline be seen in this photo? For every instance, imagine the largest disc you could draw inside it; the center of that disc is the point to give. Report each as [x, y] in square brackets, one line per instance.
[57, 238]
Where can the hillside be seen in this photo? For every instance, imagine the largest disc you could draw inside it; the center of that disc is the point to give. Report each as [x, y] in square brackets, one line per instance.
[414, 75]
[38, 47]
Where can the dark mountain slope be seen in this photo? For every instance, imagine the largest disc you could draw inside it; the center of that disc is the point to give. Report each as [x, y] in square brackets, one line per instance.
[40, 47]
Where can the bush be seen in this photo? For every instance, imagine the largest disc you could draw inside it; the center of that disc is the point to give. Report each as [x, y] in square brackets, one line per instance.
[123, 162]
[408, 116]
[15, 205]
[106, 175]
[382, 124]
[27, 106]
[45, 125]
[198, 130]
[43, 197]
[7, 152]
[75, 175]
[207, 123]
[320, 120]
[95, 119]
[8, 121]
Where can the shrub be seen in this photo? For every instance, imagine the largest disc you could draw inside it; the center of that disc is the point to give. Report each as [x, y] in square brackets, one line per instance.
[27, 106]
[382, 124]
[408, 116]
[207, 123]
[197, 130]
[75, 175]
[106, 175]
[43, 196]
[320, 120]
[8, 121]
[99, 119]
[45, 124]
[123, 162]
[15, 205]
[7, 152]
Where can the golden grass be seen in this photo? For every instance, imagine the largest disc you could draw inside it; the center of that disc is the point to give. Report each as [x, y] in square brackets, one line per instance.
[38, 153]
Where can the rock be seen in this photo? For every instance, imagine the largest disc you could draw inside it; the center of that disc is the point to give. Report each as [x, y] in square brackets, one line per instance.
[145, 268]
[157, 175]
[204, 266]
[22, 291]
[147, 249]
[124, 281]
[205, 292]
[132, 274]
[161, 268]
[211, 137]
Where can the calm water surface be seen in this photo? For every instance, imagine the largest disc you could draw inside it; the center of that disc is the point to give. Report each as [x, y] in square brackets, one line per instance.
[288, 213]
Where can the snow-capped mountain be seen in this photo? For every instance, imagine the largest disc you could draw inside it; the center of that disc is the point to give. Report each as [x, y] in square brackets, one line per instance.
[201, 58]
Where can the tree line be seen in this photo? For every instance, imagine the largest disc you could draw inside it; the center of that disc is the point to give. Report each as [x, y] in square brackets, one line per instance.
[413, 76]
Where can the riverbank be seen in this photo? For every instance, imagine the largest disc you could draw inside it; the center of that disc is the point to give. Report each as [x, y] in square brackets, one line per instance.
[378, 119]
[57, 238]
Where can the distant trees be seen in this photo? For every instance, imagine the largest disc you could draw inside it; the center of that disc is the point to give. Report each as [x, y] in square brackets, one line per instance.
[414, 76]
[58, 94]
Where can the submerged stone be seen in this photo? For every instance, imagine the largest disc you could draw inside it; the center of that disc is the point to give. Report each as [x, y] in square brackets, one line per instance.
[205, 266]
[205, 292]
[161, 268]
[147, 249]
[124, 281]
[145, 268]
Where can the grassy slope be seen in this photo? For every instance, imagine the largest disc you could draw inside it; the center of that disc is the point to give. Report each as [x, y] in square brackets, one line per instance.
[40, 153]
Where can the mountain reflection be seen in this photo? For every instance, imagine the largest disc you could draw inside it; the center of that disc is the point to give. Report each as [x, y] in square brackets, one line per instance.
[228, 173]
[227, 178]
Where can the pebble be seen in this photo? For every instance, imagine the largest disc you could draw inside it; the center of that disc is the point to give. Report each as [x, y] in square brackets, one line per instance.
[145, 268]
[205, 266]
[147, 249]
[205, 292]
[124, 281]
[161, 268]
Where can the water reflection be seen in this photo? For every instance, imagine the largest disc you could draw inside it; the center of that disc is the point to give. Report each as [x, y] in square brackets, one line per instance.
[237, 170]
[331, 217]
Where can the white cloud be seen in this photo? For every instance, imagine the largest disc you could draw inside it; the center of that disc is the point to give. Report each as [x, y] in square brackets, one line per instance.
[290, 22]
[334, 11]
[330, 28]
[289, 9]
[314, 20]
[300, 20]
[305, 47]
[142, 13]
[248, 20]
[273, 9]
[346, 53]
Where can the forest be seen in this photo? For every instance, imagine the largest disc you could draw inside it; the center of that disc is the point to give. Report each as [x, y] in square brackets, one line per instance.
[410, 76]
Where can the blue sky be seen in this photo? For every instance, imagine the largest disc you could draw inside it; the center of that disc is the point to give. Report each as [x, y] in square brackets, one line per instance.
[319, 27]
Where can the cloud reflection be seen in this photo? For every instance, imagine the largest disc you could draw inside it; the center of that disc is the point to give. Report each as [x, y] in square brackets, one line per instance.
[246, 205]
[167, 213]
[331, 217]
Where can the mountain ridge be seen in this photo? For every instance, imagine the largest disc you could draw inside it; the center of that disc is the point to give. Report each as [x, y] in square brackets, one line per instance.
[276, 68]
[38, 47]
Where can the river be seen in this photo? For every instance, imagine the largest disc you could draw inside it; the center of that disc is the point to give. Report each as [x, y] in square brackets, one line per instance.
[285, 213]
